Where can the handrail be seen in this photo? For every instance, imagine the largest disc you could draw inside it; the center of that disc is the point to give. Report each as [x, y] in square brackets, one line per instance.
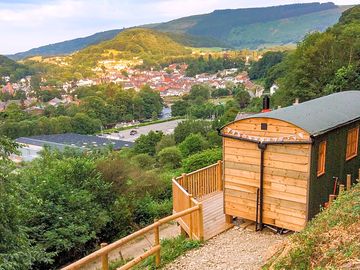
[107, 249]
[203, 181]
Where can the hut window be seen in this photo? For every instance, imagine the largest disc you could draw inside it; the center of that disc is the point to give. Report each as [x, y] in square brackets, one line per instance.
[352, 143]
[321, 158]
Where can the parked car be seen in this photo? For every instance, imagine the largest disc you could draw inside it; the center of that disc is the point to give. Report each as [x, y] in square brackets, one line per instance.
[133, 132]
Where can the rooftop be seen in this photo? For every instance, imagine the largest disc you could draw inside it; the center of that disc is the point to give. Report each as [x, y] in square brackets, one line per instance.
[61, 141]
[320, 115]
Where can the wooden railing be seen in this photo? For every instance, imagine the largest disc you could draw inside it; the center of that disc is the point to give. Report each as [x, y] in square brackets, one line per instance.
[195, 216]
[202, 182]
[192, 224]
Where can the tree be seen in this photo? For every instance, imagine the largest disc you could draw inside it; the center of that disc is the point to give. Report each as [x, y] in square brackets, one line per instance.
[166, 141]
[170, 157]
[243, 98]
[192, 144]
[179, 108]
[83, 124]
[146, 144]
[202, 159]
[188, 127]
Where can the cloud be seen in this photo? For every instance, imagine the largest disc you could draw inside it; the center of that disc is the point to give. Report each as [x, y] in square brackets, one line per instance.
[25, 24]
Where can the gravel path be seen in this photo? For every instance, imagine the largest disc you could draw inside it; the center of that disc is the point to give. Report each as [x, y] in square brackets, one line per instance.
[237, 248]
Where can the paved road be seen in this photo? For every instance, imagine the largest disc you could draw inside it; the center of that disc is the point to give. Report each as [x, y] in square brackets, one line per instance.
[165, 127]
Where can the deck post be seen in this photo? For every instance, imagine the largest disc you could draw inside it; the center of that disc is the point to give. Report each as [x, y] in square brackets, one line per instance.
[190, 219]
[184, 182]
[341, 188]
[219, 175]
[201, 222]
[348, 182]
[331, 199]
[157, 243]
[104, 258]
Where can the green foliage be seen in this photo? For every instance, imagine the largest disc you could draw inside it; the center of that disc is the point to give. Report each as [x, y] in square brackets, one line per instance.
[243, 99]
[259, 69]
[179, 108]
[146, 144]
[13, 69]
[170, 157]
[166, 141]
[323, 63]
[188, 127]
[202, 159]
[144, 161]
[212, 65]
[192, 144]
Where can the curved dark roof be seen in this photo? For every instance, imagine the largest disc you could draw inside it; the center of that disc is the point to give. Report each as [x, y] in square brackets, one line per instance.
[320, 115]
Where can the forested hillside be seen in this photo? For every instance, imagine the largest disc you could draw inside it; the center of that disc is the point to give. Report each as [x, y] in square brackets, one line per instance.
[241, 28]
[13, 69]
[253, 27]
[149, 45]
[322, 64]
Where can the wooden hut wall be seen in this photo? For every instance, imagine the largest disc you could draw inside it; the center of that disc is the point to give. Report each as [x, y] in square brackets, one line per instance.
[286, 174]
[335, 165]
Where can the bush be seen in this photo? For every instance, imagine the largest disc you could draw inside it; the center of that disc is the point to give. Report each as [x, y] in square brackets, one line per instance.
[143, 161]
[170, 157]
[192, 144]
[202, 159]
[188, 127]
[145, 144]
[166, 141]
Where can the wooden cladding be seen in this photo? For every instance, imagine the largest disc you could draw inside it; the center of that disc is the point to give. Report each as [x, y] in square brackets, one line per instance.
[321, 158]
[352, 143]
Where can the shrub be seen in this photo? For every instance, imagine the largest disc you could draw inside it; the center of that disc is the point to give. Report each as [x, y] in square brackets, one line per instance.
[143, 161]
[192, 144]
[170, 157]
[188, 127]
[166, 141]
[202, 159]
[145, 144]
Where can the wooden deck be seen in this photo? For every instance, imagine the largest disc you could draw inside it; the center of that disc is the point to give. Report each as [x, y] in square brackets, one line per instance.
[213, 215]
[201, 188]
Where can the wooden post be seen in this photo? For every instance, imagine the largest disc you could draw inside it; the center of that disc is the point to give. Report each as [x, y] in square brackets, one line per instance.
[348, 182]
[184, 182]
[201, 222]
[157, 243]
[228, 219]
[104, 258]
[341, 188]
[190, 219]
[331, 199]
[219, 175]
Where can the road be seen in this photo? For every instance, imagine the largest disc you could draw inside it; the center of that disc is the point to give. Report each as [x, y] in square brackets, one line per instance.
[165, 127]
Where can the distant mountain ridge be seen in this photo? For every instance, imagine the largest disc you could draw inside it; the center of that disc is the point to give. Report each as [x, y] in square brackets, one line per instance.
[240, 28]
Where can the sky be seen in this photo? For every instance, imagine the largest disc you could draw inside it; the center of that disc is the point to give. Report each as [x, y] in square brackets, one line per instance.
[26, 24]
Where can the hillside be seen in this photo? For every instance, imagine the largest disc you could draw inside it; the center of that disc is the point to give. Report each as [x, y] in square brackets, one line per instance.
[223, 28]
[331, 241]
[253, 27]
[323, 63]
[13, 69]
[67, 47]
[148, 45]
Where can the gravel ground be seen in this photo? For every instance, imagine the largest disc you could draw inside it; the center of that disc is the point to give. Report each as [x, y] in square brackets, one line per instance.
[237, 248]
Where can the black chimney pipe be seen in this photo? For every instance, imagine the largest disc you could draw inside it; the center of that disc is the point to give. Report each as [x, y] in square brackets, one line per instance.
[266, 104]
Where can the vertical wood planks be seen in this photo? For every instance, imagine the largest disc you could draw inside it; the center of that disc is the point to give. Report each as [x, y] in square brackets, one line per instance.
[104, 258]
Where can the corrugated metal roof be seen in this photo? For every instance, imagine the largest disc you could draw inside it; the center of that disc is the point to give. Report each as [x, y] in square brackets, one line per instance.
[320, 115]
[60, 141]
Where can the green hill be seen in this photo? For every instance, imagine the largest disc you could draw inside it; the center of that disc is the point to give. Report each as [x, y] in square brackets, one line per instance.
[146, 44]
[13, 69]
[67, 47]
[250, 28]
[254, 27]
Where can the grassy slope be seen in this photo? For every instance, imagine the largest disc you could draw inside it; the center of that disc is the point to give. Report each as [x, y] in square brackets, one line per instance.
[330, 241]
[282, 31]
